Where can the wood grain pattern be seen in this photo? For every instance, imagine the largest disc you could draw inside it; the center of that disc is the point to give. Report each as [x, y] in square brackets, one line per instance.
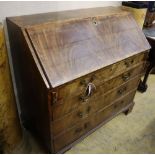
[94, 104]
[92, 121]
[30, 82]
[36, 19]
[71, 101]
[99, 77]
[72, 49]
[95, 54]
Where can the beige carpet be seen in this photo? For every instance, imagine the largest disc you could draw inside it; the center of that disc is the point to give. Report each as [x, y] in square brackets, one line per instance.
[134, 133]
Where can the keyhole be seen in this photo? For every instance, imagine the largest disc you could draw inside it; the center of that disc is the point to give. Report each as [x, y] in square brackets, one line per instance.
[95, 22]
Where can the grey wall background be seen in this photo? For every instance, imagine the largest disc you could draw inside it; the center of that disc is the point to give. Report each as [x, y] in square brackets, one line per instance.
[10, 8]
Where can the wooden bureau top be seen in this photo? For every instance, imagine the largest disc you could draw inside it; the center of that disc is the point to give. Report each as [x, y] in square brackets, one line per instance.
[34, 19]
[71, 44]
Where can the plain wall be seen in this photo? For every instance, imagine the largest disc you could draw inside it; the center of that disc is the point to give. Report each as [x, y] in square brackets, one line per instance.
[17, 8]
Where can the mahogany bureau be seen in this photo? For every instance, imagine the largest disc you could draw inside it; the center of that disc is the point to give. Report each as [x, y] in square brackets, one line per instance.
[75, 70]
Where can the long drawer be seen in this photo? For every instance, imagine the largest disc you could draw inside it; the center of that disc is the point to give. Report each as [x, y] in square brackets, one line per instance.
[90, 122]
[99, 101]
[100, 76]
[69, 105]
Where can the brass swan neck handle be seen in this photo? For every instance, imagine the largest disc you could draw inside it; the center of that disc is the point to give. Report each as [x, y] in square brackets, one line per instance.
[90, 88]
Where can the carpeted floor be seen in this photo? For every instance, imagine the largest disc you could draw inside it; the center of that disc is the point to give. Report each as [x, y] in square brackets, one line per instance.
[134, 133]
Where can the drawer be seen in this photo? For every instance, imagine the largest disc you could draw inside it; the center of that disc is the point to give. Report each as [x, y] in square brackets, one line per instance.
[59, 110]
[122, 90]
[87, 124]
[124, 77]
[73, 89]
[100, 101]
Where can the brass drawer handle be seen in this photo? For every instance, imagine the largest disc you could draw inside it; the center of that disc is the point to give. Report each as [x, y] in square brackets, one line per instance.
[132, 61]
[94, 21]
[122, 90]
[117, 105]
[83, 82]
[86, 125]
[86, 82]
[54, 96]
[88, 92]
[93, 77]
[128, 63]
[78, 130]
[126, 77]
[81, 115]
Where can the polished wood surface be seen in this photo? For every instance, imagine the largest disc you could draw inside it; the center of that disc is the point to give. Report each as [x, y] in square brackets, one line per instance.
[71, 101]
[96, 103]
[35, 19]
[30, 82]
[90, 122]
[76, 70]
[69, 50]
[98, 77]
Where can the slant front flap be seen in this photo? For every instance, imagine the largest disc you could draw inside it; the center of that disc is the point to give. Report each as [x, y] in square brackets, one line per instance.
[70, 49]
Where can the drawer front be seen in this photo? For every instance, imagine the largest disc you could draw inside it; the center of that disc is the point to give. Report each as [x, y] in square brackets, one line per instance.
[89, 123]
[59, 110]
[99, 101]
[126, 76]
[73, 89]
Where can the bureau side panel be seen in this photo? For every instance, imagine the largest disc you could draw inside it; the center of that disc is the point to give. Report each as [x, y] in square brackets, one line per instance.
[32, 86]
